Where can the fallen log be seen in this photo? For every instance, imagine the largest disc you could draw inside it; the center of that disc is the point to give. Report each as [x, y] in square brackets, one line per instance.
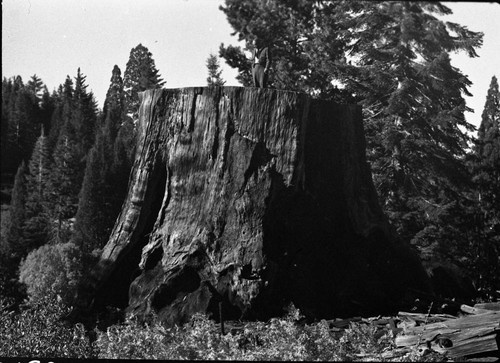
[495, 306]
[473, 309]
[458, 337]
[419, 317]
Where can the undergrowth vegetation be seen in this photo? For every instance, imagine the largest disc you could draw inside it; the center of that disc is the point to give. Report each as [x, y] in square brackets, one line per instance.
[278, 339]
[40, 331]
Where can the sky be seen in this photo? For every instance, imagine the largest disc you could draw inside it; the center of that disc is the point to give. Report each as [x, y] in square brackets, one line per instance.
[52, 38]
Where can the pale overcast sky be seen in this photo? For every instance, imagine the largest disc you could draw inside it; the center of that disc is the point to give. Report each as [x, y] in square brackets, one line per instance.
[52, 38]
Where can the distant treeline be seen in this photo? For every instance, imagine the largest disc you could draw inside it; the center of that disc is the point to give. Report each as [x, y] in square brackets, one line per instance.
[438, 185]
[71, 161]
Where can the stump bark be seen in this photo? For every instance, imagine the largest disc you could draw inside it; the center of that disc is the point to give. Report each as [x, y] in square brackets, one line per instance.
[251, 199]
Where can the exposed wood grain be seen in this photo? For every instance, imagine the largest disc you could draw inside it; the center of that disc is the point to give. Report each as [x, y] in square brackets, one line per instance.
[464, 336]
[256, 197]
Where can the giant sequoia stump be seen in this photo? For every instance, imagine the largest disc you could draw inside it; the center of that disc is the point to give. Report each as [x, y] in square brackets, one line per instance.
[256, 198]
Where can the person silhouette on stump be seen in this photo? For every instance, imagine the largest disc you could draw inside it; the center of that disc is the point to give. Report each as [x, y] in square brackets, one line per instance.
[261, 61]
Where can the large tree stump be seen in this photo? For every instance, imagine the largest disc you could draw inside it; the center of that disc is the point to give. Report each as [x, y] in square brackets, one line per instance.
[254, 198]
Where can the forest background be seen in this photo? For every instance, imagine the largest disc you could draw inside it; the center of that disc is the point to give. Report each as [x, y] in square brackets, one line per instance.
[65, 160]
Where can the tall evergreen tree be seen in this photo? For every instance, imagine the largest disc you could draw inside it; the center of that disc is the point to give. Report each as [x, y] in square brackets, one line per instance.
[37, 225]
[140, 74]
[26, 108]
[391, 57]
[6, 160]
[11, 248]
[486, 171]
[47, 107]
[214, 72]
[83, 116]
[401, 74]
[488, 155]
[63, 100]
[413, 104]
[65, 182]
[35, 86]
[113, 110]
[91, 216]
[99, 202]
[17, 215]
[288, 28]
[23, 126]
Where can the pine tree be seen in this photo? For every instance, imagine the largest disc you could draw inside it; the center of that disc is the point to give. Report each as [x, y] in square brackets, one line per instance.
[413, 110]
[25, 109]
[113, 109]
[214, 72]
[12, 249]
[37, 225]
[83, 117]
[91, 216]
[392, 58]
[99, 202]
[118, 135]
[488, 155]
[288, 28]
[72, 135]
[23, 126]
[140, 74]
[486, 171]
[17, 215]
[65, 182]
[6, 161]
[401, 74]
[35, 86]
[47, 107]
[63, 100]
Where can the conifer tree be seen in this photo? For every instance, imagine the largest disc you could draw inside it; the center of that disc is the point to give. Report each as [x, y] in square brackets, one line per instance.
[99, 202]
[488, 156]
[62, 112]
[214, 72]
[140, 74]
[401, 74]
[117, 136]
[486, 171]
[11, 249]
[91, 215]
[35, 86]
[288, 29]
[47, 107]
[113, 110]
[17, 215]
[23, 126]
[6, 162]
[37, 225]
[25, 109]
[83, 117]
[66, 177]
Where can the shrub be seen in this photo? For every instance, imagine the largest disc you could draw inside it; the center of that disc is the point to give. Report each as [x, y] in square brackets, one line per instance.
[52, 270]
[38, 331]
[278, 339]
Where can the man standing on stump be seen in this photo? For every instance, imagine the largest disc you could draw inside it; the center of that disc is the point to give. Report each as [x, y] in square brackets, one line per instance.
[261, 61]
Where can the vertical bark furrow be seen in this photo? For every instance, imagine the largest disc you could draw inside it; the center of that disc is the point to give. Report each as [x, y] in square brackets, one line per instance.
[254, 197]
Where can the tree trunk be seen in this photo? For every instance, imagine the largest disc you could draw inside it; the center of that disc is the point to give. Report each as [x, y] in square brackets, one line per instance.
[256, 198]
